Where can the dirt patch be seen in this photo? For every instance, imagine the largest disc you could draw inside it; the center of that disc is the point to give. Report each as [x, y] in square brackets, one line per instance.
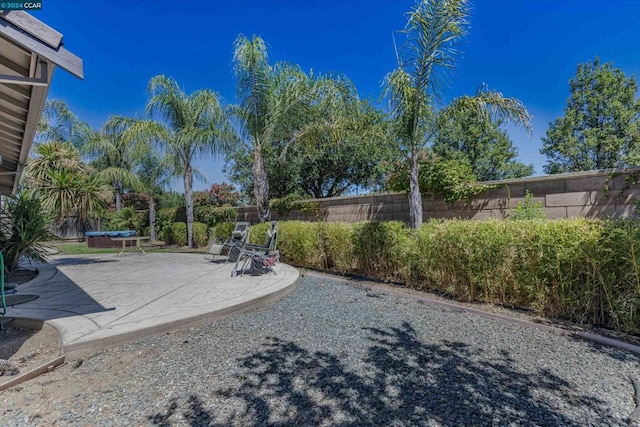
[27, 348]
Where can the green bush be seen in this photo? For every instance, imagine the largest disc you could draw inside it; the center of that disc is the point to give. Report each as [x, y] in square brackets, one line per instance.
[212, 215]
[337, 246]
[382, 249]
[222, 231]
[258, 233]
[299, 243]
[24, 226]
[200, 238]
[164, 218]
[179, 233]
[579, 269]
[295, 202]
[125, 219]
[528, 209]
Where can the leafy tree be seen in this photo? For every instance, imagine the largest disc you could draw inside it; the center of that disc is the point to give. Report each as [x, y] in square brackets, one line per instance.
[67, 185]
[170, 199]
[222, 194]
[483, 144]
[600, 127]
[192, 126]
[433, 29]
[274, 106]
[116, 156]
[453, 179]
[325, 162]
[59, 124]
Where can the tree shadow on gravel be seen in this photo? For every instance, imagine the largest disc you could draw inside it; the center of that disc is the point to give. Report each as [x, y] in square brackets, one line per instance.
[399, 381]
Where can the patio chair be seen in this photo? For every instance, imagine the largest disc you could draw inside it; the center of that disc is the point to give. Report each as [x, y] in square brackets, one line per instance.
[259, 259]
[233, 245]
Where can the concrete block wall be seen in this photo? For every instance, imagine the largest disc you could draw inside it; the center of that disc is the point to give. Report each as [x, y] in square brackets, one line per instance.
[594, 194]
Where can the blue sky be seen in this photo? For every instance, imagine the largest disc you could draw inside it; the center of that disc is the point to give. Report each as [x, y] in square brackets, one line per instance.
[528, 49]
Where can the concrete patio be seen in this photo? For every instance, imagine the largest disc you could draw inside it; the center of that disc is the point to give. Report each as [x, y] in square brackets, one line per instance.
[99, 300]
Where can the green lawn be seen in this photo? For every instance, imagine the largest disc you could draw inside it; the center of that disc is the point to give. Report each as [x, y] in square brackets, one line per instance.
[81, 248]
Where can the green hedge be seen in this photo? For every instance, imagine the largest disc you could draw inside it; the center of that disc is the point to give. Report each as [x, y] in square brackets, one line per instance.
[579, 269]
[200, 238]
[178, 234]
[212, 215]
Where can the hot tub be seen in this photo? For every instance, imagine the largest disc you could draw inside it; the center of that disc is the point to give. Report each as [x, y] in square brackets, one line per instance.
[102, 239]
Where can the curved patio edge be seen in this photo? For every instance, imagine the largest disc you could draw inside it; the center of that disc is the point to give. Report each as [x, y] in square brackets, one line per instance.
[81, 349]
[99, 300]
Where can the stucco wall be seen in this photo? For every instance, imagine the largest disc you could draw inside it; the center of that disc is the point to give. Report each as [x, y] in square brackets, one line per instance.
[597, 194]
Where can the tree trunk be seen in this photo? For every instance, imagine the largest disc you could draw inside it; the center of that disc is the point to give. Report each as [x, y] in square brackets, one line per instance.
[152, 218]
[261, 185]
[188, 194]
[415, 198]
[117, 187]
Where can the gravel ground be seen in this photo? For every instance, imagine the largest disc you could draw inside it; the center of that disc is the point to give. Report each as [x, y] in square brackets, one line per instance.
[333, 354]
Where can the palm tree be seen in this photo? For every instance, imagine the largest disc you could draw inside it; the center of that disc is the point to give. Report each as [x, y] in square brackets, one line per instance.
[274, 106]
[59, 124]
[194, 126]
[117, 156]
[433, 29]
[67, 185]
[154, 173]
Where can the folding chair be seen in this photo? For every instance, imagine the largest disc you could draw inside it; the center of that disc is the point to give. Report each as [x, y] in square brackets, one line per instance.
[233, 244]
[259, 258]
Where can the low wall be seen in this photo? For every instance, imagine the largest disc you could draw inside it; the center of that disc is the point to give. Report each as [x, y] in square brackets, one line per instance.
[596, 194]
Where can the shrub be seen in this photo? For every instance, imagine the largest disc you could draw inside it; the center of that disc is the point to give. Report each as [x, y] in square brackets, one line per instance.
[24, 225]
[294, 202]
[200, 238]
[382, 249]
[212, 215]
[337, 246]
[179, 233]
[164, 218]
[528, 209]
[580, 269]
[299, 243]
[222, 231]
[258, 233]
[124, 219]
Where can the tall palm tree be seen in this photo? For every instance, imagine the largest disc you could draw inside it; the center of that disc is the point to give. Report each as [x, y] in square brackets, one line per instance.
[116, 156]
[274, 106]
[192, 126]
[433, 30]
[59, 124]
[154, 173]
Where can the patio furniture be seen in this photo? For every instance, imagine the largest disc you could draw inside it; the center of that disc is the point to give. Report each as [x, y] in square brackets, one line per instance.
[124, 240]
[259, 259]
[233, 245]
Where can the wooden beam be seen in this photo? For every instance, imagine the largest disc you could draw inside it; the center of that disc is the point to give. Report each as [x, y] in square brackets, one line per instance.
[38, 98]
[33, 26]
[29, 81]
[23, 91]
[14, 102]
[15, 116]
[61, 57]
[15, 80]
[17, 68]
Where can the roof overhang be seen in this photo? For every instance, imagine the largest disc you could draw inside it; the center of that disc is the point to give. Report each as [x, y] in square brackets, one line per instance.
[29, 52]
